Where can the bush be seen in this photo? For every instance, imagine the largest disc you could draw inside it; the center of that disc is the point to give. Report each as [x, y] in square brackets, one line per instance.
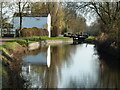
[28, 32]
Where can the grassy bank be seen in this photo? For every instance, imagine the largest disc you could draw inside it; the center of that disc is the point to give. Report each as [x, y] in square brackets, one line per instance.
[108, 50]
[10, 62]
[110, 55]
[26, 40]
[10, 53]
[36, 38]
[12, 45]
[1, 46]
[91, 38]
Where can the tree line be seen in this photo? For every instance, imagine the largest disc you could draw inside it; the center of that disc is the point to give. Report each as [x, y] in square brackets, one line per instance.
[64, 19]
[108, 18]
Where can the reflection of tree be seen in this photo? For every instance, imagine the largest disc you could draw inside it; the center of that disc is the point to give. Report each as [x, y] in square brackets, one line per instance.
[15, 79]
[38, 68]
[48, 77]
[110, 78]
[59, 55]
[35, 52]
[77, 84]
[85, 81]
[72, 84]
[19, 80]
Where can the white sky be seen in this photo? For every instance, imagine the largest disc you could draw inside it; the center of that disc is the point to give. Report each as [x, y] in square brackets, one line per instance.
[90, 19]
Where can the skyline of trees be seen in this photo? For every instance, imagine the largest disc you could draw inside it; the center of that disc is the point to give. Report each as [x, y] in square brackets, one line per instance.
[108, 16]
[63, 18]
[66, 17]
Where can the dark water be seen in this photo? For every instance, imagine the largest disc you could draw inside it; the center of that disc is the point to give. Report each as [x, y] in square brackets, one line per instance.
[68, 66]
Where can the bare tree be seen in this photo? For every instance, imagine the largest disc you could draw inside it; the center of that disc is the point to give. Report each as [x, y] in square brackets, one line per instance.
[6, 10]
[21, 6]
[107, 12]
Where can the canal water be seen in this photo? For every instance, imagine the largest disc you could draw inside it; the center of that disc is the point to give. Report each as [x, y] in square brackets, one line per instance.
[68, 66]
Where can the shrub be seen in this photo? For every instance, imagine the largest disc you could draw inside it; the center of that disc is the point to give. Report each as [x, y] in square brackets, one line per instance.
[28, 32]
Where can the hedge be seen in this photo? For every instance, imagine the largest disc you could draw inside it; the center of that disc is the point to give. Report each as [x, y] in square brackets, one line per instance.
[28, 32]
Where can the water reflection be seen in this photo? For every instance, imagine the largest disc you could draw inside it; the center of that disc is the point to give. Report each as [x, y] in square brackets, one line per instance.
[67, 66]
[83, 72]
[48, 56]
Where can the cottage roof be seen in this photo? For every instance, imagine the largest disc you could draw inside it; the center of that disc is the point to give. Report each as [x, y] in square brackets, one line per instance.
[30, 15]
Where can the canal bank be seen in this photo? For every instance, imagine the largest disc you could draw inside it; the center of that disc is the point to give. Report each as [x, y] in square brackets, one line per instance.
[11, 58]
[13, 50]
[108, 50]
[64, 57]
[71, 66]
[36, 45]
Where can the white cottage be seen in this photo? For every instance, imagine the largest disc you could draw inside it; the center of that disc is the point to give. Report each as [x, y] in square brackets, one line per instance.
[29, 21]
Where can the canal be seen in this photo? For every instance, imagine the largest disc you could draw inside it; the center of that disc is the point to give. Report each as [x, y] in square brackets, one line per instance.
[67, 66]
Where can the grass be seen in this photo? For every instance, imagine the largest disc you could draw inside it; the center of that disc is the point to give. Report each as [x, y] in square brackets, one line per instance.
[54, 38]
[91, 38]
[37, 38]
[44, 37]
[1, 47]
[12, 45]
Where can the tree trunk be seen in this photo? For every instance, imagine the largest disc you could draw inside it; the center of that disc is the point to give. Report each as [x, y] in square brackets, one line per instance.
[20, 24]
[20, 15]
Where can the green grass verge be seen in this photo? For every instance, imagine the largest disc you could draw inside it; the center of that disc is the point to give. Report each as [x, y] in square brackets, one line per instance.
[53, 38]
[44, 37]
[1, 47]
[12, 46]
[37, 38]
[91, 38]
